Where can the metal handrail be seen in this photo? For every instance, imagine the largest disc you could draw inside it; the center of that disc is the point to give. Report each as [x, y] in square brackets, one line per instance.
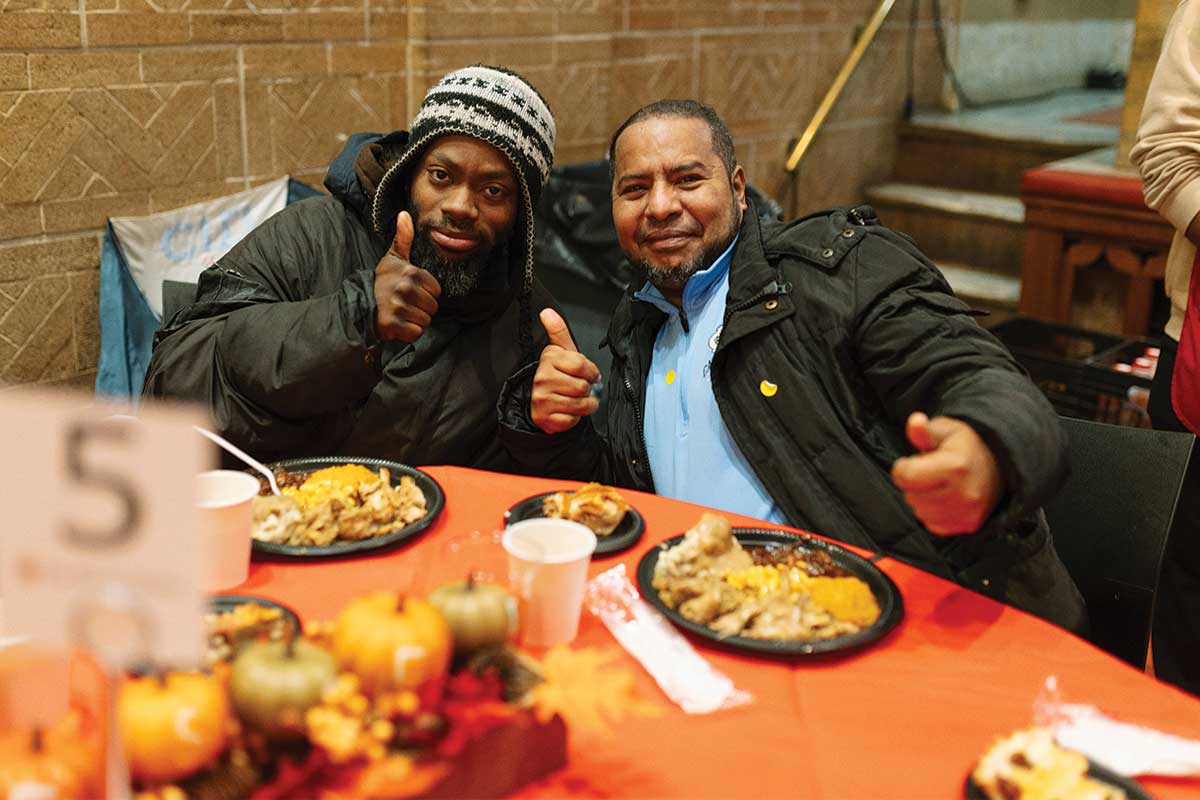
[839, 83]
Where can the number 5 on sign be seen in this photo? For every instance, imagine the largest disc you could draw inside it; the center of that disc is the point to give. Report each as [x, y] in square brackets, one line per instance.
[101, 544]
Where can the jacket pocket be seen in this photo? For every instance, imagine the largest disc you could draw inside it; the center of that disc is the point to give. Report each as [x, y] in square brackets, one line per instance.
[867, 497]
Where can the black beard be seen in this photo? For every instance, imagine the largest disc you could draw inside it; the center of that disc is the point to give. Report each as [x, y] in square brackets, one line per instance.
[675, 278]
[458, 277]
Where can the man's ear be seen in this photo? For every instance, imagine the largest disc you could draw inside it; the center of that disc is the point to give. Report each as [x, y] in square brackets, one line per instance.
[738, 181]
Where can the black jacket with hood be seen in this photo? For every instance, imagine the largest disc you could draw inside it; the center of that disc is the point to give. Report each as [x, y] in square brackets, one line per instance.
[280, 342]
[858, 330]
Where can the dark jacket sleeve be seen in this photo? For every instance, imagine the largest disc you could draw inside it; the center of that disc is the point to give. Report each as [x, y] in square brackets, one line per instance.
[920, 350]
[577, 454]
[270, 345]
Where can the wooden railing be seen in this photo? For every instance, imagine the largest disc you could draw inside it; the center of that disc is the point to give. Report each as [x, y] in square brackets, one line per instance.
[839, 83]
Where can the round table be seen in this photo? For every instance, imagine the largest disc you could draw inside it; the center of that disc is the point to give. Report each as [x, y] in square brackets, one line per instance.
[904, 718]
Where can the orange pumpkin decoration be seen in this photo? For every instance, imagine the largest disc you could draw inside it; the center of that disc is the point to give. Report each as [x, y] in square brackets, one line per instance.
[394, 642]
[27, 761]
[78, 741]
[172, 725]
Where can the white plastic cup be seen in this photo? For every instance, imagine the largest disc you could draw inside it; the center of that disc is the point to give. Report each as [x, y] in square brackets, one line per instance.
[224, 498]
[547, 569]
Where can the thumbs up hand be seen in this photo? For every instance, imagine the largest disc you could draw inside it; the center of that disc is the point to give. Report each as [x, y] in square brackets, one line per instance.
[953, 482]
[562, 385]
[403, 238]
[405, 295]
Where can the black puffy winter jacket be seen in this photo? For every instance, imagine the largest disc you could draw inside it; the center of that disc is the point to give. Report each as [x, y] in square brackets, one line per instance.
[280, 344]
[858, 330]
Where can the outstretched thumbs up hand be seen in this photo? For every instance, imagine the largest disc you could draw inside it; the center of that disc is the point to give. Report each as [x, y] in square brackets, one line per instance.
[953, 482]
[562, 385]
[406, 296]
[927, 434]
[556, 329]
[403, 239]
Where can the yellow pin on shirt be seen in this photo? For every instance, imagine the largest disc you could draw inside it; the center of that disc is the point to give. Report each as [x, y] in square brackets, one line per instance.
[670, 377]
[768, 389]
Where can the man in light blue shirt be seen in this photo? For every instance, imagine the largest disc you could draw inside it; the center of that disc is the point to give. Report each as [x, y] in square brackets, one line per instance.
[819, 372]
[705, 468]
[680, 213]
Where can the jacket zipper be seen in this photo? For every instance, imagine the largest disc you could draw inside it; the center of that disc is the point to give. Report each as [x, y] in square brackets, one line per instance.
[641, 427]
[732, 423]
[772, 288]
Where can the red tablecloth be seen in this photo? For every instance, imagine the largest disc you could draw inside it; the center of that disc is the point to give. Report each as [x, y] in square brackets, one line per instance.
[905, 718]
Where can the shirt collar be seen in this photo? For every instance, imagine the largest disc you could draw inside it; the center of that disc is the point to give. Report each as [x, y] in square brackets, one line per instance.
[697, 289]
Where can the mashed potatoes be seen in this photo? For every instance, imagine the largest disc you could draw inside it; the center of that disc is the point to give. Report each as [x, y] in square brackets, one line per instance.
[346, 503]
[711, 579]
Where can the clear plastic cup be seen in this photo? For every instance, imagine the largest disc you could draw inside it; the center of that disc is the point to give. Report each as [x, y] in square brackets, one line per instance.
[547, 570]
[224, 497]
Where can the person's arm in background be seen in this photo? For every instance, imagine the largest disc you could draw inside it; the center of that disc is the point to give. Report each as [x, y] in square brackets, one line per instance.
[1167, 150]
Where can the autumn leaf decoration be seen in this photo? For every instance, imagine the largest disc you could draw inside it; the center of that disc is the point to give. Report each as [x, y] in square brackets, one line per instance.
[587, 690]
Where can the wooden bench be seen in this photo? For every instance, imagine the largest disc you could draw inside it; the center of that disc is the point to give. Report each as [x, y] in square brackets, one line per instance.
[1084, 212]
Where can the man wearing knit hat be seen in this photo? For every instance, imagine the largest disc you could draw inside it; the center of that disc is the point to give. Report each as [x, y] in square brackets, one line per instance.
[381, 320]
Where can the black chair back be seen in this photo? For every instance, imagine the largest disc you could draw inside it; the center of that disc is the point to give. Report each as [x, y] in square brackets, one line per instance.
[1111, 522]
[175, 296]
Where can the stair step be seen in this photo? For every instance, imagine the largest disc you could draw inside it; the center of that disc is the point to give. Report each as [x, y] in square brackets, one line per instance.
[959, 202]
[1063, 119]
[988, 148]
[956, 226]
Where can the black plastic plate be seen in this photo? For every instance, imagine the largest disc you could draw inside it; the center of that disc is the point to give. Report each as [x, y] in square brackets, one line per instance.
[887, 595]
[624, 536]
[435, 500]
[1133, 790]
[221, 603]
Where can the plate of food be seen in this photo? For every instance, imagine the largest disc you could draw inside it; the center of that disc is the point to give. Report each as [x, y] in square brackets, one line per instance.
[1030, 765]
[768, 591]
[338, 506]
[234, 620]
[617, 524]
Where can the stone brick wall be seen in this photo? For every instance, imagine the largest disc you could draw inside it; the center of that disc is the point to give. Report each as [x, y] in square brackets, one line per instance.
[127, 107]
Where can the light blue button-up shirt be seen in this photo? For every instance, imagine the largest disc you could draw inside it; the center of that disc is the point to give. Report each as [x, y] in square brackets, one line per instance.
[692, 455]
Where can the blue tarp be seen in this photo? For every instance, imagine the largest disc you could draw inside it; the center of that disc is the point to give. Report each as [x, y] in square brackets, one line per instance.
[127, 323]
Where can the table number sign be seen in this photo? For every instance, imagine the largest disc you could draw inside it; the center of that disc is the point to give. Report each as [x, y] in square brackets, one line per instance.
[102, 545]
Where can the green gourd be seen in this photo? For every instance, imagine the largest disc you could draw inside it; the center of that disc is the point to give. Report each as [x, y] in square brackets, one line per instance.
[274, 683]
[478, 614]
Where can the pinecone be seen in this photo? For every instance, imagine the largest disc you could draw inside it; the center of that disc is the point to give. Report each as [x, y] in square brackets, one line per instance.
[518, 672]
[233, 778]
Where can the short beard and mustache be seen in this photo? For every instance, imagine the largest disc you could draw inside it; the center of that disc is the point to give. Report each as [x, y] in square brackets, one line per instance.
[672, 279]
[458, 277]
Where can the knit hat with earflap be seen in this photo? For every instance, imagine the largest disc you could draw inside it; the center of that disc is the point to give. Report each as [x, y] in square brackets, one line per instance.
[501, 108]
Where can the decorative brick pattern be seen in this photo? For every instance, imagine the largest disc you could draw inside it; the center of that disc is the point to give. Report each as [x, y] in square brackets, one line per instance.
[38, 325]
[14, 71]
[308, 120]
[759, 89]
[27, 30]
[117, 107]
[87, 68]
